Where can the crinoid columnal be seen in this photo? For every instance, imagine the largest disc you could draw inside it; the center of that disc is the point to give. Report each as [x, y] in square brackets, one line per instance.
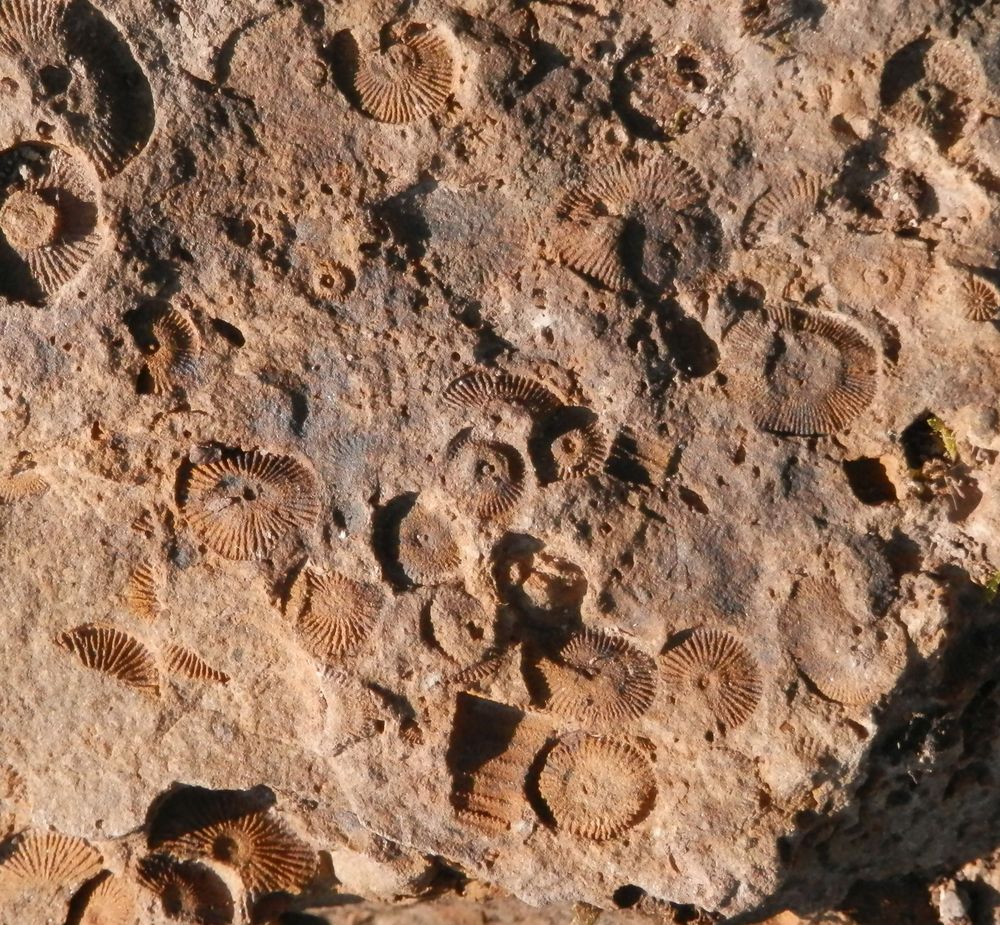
[953, 65]
[111, 901]
[477, 238]
[409, 80]
[598, 218]
[335, 615]
[802, 372]
[188, 891]
[599, 678]
[596, 787]
[92, 88]
[114, 653]
[427, 550]
[572, 445]
[142, 591]
[461, 628]
[50, 219]
[492, 749]
[243, 504]
[174, 355]
[713, 673]
[980, 299]
[49, 860]
[879, 272]
[186, 663]
[239, 830]
[485, 478]
[852, 658]
[784, 210]
[481, 389]
[21, 486]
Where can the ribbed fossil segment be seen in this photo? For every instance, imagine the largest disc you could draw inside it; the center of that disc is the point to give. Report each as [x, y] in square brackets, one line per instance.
[980, 299]
[22, 486]
[173, 356]
[486, 478]
[636, 222]
[803, 372]
[713, 673]
[189, 664]
[409, 80]
[242, 505]
[50, 219]
[600, 678]
[84, 75]
[335, 615]
[237, 829]
[142, 591]
[597, 788]
[187, 891]
[851, 657]
[110, 902]
[479, 389]
[49, 860]
[114, 653]
[784, 209]
[492, 750]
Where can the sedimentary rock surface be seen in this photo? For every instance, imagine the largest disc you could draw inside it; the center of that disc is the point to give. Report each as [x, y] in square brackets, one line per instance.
[537, 452]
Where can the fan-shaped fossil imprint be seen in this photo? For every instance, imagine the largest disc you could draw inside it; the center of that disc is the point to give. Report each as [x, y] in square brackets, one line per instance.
[49, 219]
[597, 787]
[188, 891]
[803, 372]
[599, 678]
[49, 859]
[114, 653]
[852, 658]
[175, 353]
[785, 209]
[142, 591]
[653, 194]
[980, 299]
[485, 477]
[480, 389]
[427, 549]
[110, 902]
[409, 80]
[460, 625]
[334, 614]
[184, 662]
[233, 829]
[713, 670]
[83, 75]
[241, 505]
[21, 486]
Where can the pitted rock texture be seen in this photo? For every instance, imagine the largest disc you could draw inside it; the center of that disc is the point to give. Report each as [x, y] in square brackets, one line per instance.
[504, 449]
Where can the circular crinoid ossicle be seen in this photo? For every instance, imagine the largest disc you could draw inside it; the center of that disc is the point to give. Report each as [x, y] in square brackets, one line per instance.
[109, 901]
[174, 355]
[485, 478]
[802, 372]
[244, 503]
[477, 238]
[114, 653]
[572, 445]
[410, 79]
[979, 299]
[597, 788]
[427, 549]
[784, 210]
[188, 891]
[49, 219]
[237, 829]
[460, 625]
[45, 862]
[852, 658]
[643, 222]
[877, 271]
[335, 615]
[600, 678]
[710, 671]
[953, 65]
[89, 84]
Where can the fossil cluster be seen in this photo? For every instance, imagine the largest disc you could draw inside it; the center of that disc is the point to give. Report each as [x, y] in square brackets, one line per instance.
[536, 445]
